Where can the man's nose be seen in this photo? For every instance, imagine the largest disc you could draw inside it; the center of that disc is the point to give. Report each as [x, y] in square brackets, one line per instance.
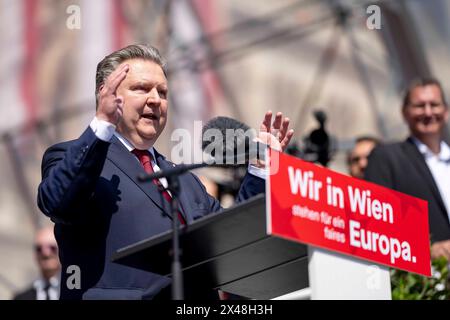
[46, 251]
[153, 97]
[363, 162]
[427, 110]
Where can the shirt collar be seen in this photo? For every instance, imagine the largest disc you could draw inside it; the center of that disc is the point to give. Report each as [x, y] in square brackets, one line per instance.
[444, 154]
[129, 146]
[54, 281]
[41, 282]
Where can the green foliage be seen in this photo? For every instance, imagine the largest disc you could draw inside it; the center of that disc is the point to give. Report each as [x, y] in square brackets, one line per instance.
[410, 286]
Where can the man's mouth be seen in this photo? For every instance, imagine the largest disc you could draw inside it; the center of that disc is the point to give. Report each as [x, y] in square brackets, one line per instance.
[428, 121]
[150, 116]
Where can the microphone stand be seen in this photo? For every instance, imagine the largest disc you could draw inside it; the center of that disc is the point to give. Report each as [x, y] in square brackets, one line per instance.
[177, 276]
[173, 181]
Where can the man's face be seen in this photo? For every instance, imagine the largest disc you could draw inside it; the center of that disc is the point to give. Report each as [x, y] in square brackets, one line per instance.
[358, 158]
[144, 92]
[426, 113]
[46, 251]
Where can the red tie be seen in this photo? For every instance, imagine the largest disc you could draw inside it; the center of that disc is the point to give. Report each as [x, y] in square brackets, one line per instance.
[145, 158]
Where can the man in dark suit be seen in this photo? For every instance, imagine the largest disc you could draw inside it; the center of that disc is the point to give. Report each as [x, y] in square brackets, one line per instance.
[90, 188]
[420, 166]
[46, 252]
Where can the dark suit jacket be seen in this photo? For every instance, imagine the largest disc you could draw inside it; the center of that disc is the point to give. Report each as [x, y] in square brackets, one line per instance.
[27, 294]
[90, 190]
[402, 167]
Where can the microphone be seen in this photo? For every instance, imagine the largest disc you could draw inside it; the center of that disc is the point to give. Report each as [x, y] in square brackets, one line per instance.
[229, 141]
[175, 171]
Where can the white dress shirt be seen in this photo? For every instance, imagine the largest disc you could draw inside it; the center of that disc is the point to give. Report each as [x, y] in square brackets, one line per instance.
[439, 165]
[52, 293]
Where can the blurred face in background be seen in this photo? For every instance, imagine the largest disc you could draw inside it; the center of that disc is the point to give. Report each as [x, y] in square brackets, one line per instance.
[46, 250]
[358, 157]
[426, 114]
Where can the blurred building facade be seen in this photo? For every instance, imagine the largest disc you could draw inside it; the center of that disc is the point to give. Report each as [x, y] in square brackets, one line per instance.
[225, 57]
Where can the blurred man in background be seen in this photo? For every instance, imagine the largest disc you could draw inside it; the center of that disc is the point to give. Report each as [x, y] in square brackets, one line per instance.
[357, 157]
[46, 251]
[420, 166]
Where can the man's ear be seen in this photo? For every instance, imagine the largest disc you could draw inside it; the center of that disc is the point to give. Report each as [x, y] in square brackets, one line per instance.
[96, 96]
[446, 114]
[404, 112]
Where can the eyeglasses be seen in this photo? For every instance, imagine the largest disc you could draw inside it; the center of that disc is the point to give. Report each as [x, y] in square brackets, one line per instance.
[356, 159]
[435, 105]
[39, 248]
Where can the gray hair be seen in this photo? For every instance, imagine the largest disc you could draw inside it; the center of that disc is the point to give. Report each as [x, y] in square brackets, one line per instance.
[422, 82]
[112, 61]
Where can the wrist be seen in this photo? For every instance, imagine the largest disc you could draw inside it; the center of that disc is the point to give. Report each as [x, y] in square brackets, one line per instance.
[104, 130]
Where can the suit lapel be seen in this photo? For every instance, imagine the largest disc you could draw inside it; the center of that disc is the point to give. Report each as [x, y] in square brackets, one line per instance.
[420, 164]
[127, 163]
[184, 192]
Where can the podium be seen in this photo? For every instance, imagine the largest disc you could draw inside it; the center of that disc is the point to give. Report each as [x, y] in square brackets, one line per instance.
[227, 250]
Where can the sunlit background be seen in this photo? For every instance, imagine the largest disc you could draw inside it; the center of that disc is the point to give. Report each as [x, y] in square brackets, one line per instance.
[226, 57]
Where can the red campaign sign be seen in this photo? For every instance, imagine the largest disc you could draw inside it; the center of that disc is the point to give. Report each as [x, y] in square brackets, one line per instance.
[317, 206]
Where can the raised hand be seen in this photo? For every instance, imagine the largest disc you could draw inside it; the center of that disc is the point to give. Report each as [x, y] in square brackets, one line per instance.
[109, 103]
[275, 134]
